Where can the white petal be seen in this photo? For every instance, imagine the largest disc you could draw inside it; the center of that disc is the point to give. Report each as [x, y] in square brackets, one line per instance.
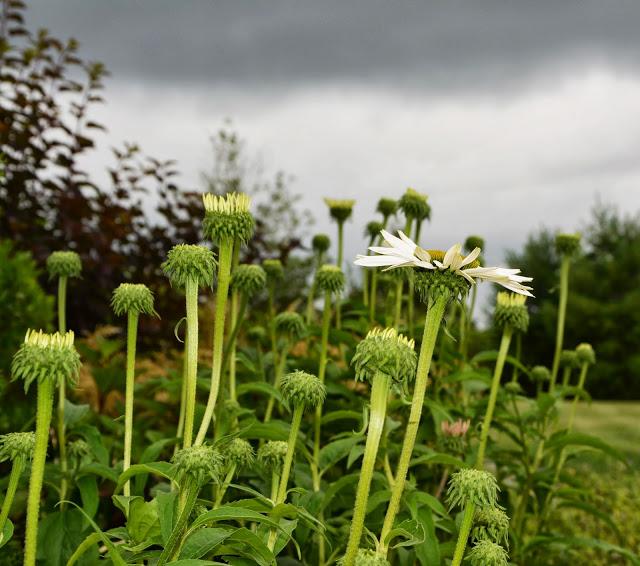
[471, 257]
[395, 242]
[378, 260]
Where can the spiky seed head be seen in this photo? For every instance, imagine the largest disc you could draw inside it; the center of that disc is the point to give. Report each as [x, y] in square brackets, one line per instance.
[132, 298]
[473, 242]
[271, 455]
[240, 453]
[79, 448]
[227, 217]
[17, 445]
[488, 553]
[569, 359]
[290, 325]
[64, 264]
[248, 279]
[373, 229]
[491, 523]
[199, 463]
[45, 356]
[387, 207]
[540, 374]
[187, 262]
[321, 243]
[437, 283]
[340, 209]
[585, 354]
[567, 244]
[330, 278]
[511, 311]
[387, 352]
[274, 270]
[302, 388]
[414, 205]
[472, 486]
[366, 557]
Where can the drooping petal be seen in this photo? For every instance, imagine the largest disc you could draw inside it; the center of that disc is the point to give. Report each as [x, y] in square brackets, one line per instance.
[471, 257]
[379, 260]
[395, 242]
[452, 253]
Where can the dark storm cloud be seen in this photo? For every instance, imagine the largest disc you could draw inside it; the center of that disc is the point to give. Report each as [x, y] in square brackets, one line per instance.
[484, 43]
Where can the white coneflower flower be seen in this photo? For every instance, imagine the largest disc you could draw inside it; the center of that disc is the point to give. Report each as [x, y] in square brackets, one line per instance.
[403, 252]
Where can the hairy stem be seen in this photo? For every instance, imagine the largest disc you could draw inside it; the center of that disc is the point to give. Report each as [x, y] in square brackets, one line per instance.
[282, 363]
[62, 395]
[191, 293]
[222, 489]
[132, 333]
[463, 534]
[14, 478]
[189, 496]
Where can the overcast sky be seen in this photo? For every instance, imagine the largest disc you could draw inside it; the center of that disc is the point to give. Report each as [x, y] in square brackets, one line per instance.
[509, 114]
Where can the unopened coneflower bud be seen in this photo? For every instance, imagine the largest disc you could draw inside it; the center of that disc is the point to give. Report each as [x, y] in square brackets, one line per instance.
[300, 388]
[473, 242]
[366, 557]
[488, 553]
[540, 374]
[330, 279]
[271, 455]
[491, 523]
[228, 217]
[470, 485]
[257, 334]
[373, 228]
[513, 388]
[43, 356]
[414, 205]
[387, 352]
[569, 359]
[387, 207]
[186, 262]
[585, 354]
[321, 243]
[455, 429]
[290, 325]
[511, 311]
[239, 453]
[340, 209]
[17, 445]
[64, 264]
[248, 279]
[274, 270]
[132, 298]
[199, 463]
[567, 244]
[79, 448]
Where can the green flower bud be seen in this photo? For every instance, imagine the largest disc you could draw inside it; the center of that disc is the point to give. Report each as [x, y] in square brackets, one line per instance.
[491, 523]
[274, 270]
[540, 374]
[387, 207]
[321, 243]
[368, 557]
[248, 279]
[228, 217]
[16, 445]
[240, 453]
[257, 334]
[585, 354]
[472, 486]
[473, 242]
[487, 553]
[569, 359]
[135, 298]
[373, 229]
[302, 388]
[511, 311]
[329, 278]
[231, 407]
[513, 388]
[79, 449]
[340, 210]
[46, 357]
[271, 455]
[414, 205]
[64, 264]
[385, 351]
[199, 463]
[291, 325]
[186, 261]
[567, 244]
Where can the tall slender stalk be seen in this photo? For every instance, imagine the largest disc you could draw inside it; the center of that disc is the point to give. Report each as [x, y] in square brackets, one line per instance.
[62, 395]
[400, 282]
[282, 363]
[17, 467]
[191, 294]
[463, 533]
[339, 264]
[189, 496]
[433, 320]
[132, 333]
[562, 311]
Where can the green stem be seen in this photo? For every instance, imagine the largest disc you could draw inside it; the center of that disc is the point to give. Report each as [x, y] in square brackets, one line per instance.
[463, 330]
[562, 311]
[183, 391]
[278, 378]
[224, 277]
[14, 478]
[463, 534]
[400, 282]
[379, 394]
[373, 296]
[132, 333]
[229, 356]
[272, 326]
[566, 376]
[62, 394]
[275, 482]
[340, 257]
[469, 321]
[43, 422]
[225, 485]
[191, 293]
[312, 289]
[514, 377]
[433, 320]
[189, 496]
[495, 386]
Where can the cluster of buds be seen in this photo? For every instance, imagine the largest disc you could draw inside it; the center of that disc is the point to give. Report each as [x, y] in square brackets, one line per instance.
[64, 264]
[248, 279]
[340, 210]
[492, 524]
[385, 351]
[200, 464]
[271, 455]
[17, 446]
[132, 298]
[488, 553]
[187, 262]
[239, 454]
[227, 217]
[511, 311]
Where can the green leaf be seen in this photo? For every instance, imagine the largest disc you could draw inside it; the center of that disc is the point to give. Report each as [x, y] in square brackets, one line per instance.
[333, 452]
[439, 458]
[166, 513]
[260, 387]
[247, 544]
[90, 542]
[101, 470]
[563, 439]
[593, 510]
[73, 414]
[232, 513]
[428, 551]
[150, 454]
[88, 487]
[336, 486]
[586, 542]
[59, 533]
[492, 356]
[143, 522]
[342, 415]
[163, 469]
[94, 439]
[7, 533]
[409, 530]
[204, 541]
